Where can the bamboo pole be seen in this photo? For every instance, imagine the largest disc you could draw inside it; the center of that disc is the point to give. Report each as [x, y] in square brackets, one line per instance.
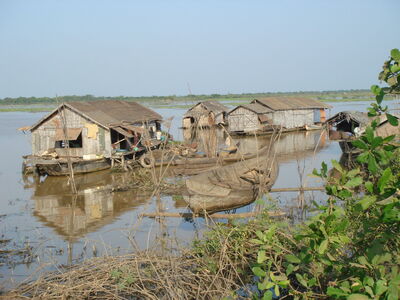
[66, 145]
[298, 189]
[214, 216]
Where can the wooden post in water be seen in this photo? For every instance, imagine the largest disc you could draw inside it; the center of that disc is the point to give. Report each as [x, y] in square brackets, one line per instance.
[66, 145]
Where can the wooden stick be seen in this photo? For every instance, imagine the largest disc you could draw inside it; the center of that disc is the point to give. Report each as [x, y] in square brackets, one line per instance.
[214, 216]
[66, 145]
[299, 189]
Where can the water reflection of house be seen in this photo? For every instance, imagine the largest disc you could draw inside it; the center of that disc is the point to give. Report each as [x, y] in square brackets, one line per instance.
[205, 114]
[282, 145]
[94, 206]
[283, 112]
[213, 139]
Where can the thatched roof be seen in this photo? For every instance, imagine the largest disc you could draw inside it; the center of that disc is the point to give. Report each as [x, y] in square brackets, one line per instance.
[290, 103]
[211, 106]
[361, 118]
[108, 113]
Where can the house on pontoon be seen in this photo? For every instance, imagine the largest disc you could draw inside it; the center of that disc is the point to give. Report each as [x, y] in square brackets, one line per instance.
[92, 130]
[285, 113]
[295, 112]
[249, 117]
[349, 124]
[205, 114]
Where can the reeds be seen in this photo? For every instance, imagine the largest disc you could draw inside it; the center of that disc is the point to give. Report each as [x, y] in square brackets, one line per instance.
[144, 275]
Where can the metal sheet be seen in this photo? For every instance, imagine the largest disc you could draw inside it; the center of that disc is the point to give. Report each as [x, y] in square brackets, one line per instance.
[134, 128]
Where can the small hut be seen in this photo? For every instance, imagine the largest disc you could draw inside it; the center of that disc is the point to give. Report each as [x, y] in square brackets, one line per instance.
[294, 112]
[205, 114]
[94, 128]
[349, 124]
[249, 117]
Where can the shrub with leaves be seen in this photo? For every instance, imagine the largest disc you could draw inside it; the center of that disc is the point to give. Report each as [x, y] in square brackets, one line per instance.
[351, 249]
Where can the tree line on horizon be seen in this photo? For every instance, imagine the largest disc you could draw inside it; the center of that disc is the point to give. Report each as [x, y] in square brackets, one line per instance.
[343, 94]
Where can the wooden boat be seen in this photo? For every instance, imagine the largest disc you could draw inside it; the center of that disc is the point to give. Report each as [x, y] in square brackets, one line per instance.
[230, 186]
[59, 166]
[195, 164]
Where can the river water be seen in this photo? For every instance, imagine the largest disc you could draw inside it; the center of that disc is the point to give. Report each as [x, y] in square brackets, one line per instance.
[44, 228]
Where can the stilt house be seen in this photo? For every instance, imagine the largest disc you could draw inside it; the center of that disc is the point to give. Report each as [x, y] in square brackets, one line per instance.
[249, 117]
[294, 112]
[205, 114]
[94, 128]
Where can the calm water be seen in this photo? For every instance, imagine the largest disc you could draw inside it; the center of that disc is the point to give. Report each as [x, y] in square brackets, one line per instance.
[42, 216]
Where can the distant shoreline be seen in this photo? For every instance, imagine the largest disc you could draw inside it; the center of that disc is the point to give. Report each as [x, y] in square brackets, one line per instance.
[45, 104]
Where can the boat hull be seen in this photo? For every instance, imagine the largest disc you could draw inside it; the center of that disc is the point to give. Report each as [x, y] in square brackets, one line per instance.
[230, 186]
[60, 168]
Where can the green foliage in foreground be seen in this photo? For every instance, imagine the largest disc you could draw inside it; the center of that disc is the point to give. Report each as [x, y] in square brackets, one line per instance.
[349, 250]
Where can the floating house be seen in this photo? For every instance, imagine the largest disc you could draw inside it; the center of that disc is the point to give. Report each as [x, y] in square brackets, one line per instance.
[92, 130]
[295, 112]
[205, 114]
[285, 113]
[348, 125]
[249, 117]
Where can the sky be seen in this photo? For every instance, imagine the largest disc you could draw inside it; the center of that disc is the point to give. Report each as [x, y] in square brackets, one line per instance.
[145, 48]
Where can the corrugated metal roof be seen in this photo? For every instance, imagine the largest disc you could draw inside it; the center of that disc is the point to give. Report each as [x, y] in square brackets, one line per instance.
[108, 112]
[254, 107]
[257, 108]
[214, 106]
[290, 103]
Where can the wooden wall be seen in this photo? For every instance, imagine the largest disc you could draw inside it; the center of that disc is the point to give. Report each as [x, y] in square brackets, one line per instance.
[43, 137]
[293, 118]
[219, 119]
[386, 129]
[244, 120]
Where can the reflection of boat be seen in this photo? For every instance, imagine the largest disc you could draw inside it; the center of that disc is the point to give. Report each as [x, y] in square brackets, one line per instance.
[230, 186]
